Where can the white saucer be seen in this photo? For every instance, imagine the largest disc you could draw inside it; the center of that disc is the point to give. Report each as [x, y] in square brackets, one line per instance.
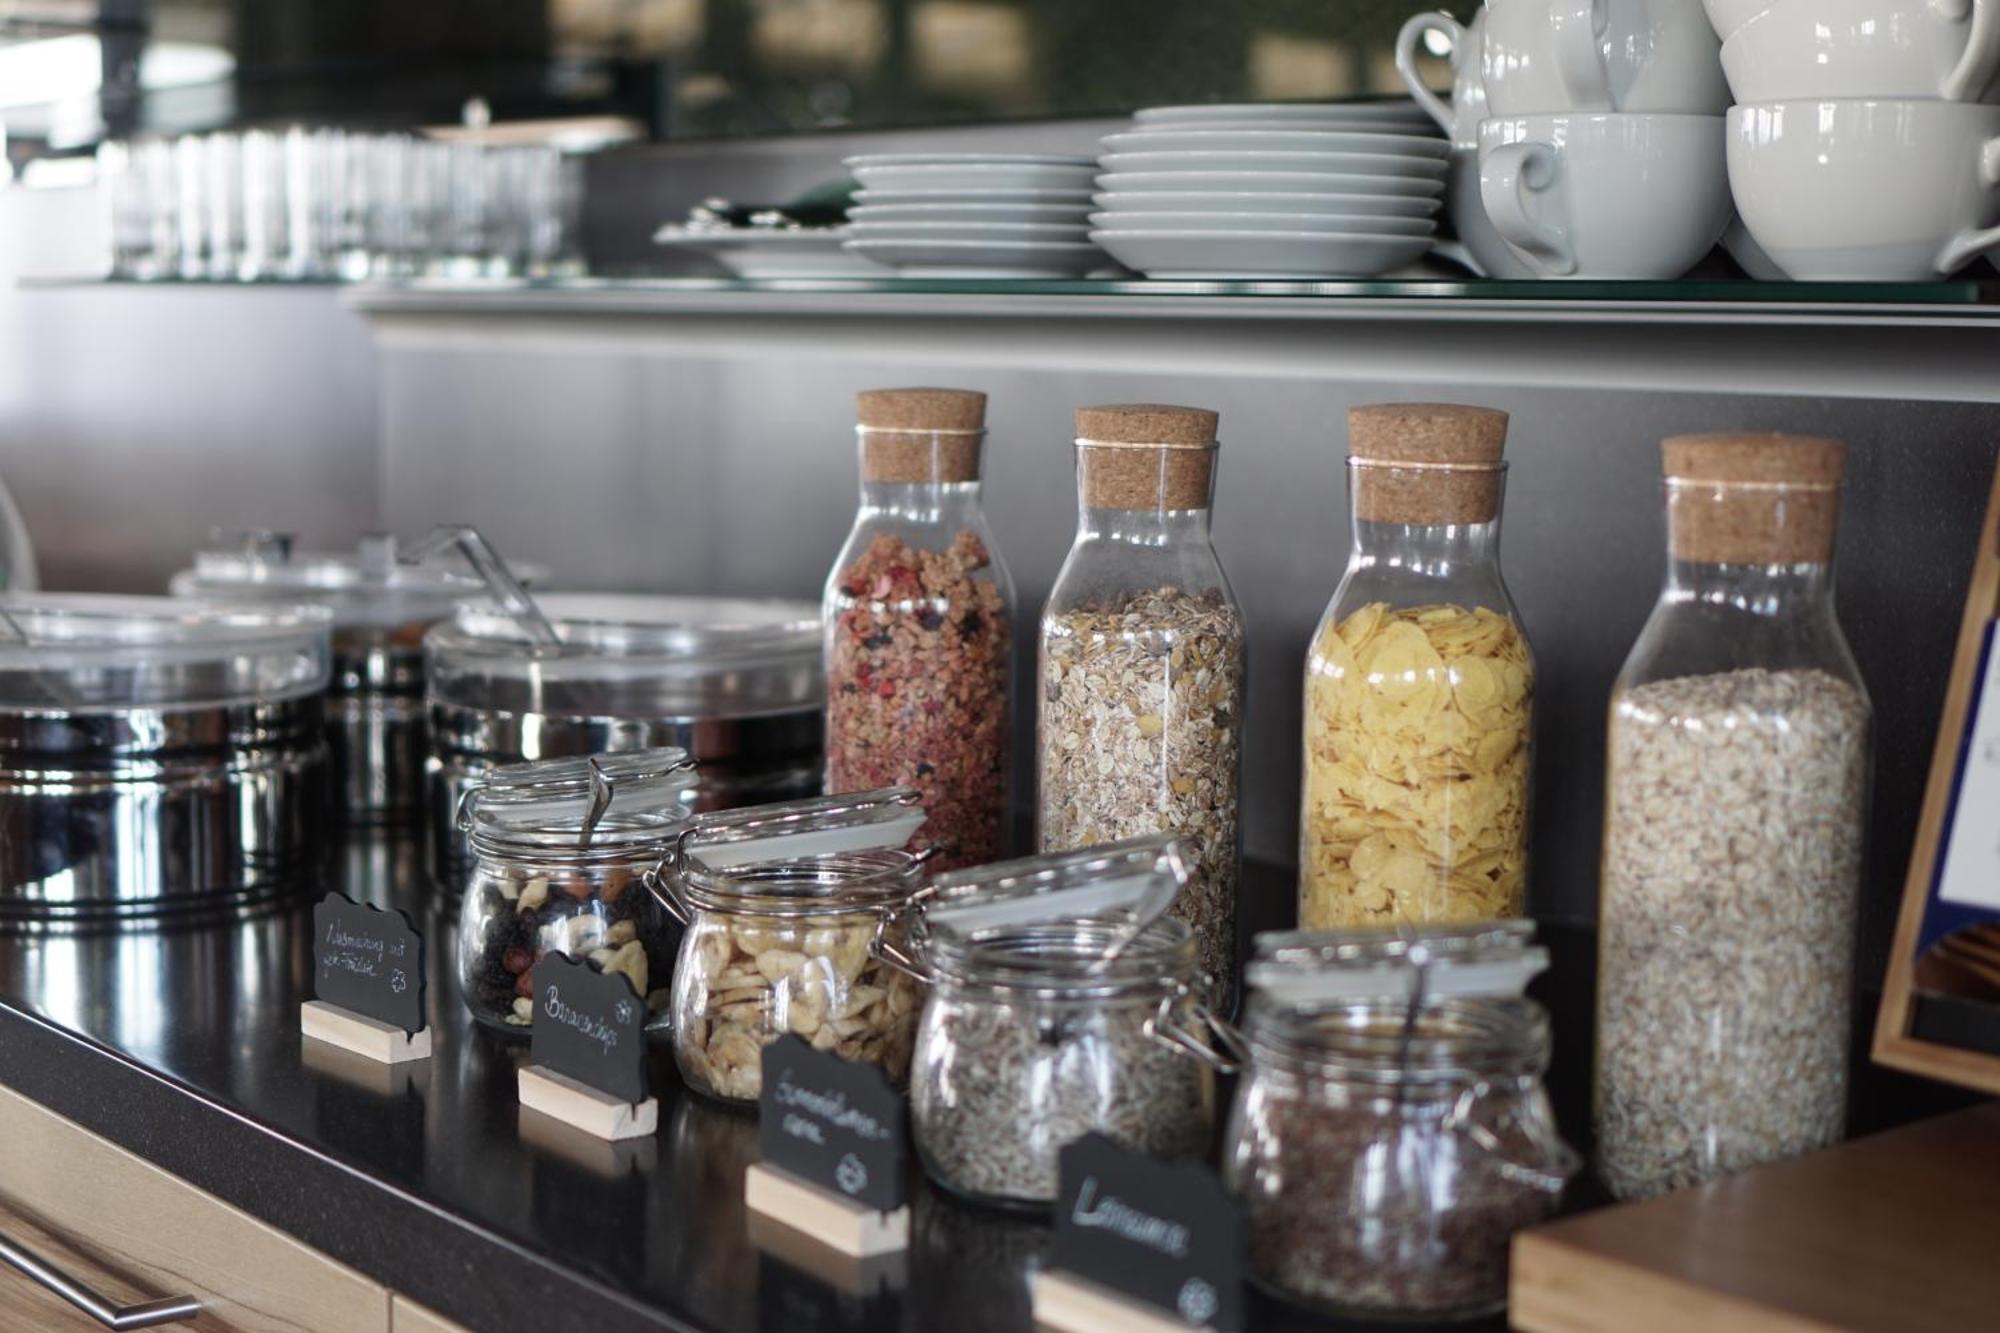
[977, 176]
[968, 231]
[1421, 127]
[1217, 255]
[982, 259]
[979, 212]
[972, 196]
[1411, 164]
[869, 160]
[1269, 182]
[1396, 109]
[1345, 224]
[1275, 141]
[752, 252]
[1248, 201]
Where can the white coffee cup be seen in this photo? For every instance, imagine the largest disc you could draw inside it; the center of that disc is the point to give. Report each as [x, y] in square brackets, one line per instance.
[1605, 195]
[1543, 57]
[1460, 117]
[1484, 248]
[1863, 190]
[1795, 49]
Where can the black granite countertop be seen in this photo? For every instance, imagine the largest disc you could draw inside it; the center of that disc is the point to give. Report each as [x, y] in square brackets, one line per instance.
[182, 1045]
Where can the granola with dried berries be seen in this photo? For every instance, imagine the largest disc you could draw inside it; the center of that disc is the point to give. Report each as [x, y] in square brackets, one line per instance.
[917, 658]
[1141, 732]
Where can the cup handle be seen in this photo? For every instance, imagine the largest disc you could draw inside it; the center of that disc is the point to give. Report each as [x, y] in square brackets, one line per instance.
[1510, 173]
[1969, 245]
[1579, 63]
[1969, 78]
[1407, 38]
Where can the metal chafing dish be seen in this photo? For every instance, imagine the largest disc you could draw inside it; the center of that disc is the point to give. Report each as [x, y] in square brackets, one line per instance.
[157, 755]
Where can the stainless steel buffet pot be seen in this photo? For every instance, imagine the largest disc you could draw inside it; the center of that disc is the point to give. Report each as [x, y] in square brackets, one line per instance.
[157, 755]
[377, 743]
[736, 683]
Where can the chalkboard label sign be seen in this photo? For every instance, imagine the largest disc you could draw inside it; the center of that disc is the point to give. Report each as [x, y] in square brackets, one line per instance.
[590, 1027]
[834, 1123]
[1165, 1234]
[368, 961]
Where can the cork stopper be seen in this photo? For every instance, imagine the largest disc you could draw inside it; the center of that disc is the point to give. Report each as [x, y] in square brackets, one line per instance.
[1451, 457]
[920, 435]
[1752, 498]
[1145, 456]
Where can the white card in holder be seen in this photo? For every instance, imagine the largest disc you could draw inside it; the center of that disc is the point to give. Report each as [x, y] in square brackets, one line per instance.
[1970, 872]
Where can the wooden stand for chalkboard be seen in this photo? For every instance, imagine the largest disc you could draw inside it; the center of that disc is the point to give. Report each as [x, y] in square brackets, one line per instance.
[584, 1107]
[847, 1273]
[1075, 1304]
[1895, 1043]
[363, 1036]
[837, 1223]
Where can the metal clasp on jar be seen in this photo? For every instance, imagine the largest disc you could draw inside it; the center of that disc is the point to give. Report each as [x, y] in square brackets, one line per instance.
[663, 880]
[1214, 1041]
[1556, 1162]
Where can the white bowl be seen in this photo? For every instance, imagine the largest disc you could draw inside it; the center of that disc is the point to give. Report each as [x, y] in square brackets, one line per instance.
[1397, 109]
[973, 196]
[755, 252]
[1250, 201]
[865, 160]
[1270, 182]
[1275, 141]
[982, 259]
[1380, 164]
[981, 212]
[1346, 224]
[976, 176]
[967, 231]
[1224, 255]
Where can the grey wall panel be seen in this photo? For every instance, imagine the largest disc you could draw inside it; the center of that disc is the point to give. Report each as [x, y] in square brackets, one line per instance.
[705, 453]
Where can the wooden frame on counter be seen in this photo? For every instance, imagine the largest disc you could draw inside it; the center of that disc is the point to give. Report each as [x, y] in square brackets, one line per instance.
[1899, 1042]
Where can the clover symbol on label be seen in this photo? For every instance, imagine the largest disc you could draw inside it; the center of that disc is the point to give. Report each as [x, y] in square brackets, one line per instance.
[624, 1011]
[850, 1174]
[1196, 1302]
[397, 982]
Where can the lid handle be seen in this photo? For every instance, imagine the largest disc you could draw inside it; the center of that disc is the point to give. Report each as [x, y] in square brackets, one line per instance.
[493, 572]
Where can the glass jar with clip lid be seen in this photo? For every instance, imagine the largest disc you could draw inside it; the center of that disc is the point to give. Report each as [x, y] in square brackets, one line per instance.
[1062, 1000]
[781, 904]
[1391, 1131]
[560, 848]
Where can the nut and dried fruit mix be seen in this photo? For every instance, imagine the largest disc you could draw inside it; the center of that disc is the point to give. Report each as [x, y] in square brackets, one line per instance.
[917, 663]
[512, 918]
[1732, 863]
[1140, 732]
[742, 981]
[1417, 739]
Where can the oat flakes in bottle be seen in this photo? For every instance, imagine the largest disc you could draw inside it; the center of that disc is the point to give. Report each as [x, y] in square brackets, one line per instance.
[1419, 687]
[919, 615]
[1736, 796]
[1140, 729]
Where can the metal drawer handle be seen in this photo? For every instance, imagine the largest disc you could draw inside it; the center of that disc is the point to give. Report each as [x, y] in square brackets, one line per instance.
[145, 1314]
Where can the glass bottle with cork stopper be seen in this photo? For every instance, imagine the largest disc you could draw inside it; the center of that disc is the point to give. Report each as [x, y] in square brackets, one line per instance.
[919, 614]
[1419, 686]
[1737, 776]
[1141, 666]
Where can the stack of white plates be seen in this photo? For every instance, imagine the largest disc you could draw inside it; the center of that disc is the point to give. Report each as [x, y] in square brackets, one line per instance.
[1271, 191]
[974, 215]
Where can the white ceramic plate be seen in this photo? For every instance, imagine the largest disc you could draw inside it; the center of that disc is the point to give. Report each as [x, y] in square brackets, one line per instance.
[1269, 182]
[755, 253]
[1342, 223]
[869, 197]
[1275, 141]
[976, 176]
[1260, 254]
[1245, 201]
[1377, 164]
[865, 160]
[1401, 108]
[982, 259]
[1422, 127]
[982, 212]
[967, 231]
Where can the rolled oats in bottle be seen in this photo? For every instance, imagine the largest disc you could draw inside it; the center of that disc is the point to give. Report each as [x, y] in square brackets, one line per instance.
[1419, 686]
[1736, 797]
[1140, 729]
[919, 615]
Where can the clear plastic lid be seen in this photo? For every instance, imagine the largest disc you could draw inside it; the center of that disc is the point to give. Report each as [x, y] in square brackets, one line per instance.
[1302, 969]
[795, 830]
[599, 804]
[366, 588]
[799, 858]
[92, 653]
[1130, 883]
[630, 655]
